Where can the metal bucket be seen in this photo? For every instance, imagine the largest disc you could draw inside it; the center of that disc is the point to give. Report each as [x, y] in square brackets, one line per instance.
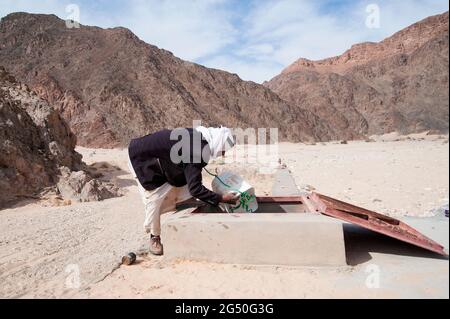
[235, 183]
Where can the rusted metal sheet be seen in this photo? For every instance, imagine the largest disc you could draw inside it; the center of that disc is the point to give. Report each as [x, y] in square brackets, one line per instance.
[371, 220]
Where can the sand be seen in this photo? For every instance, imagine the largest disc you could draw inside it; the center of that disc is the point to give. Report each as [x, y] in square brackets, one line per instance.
[74, 251]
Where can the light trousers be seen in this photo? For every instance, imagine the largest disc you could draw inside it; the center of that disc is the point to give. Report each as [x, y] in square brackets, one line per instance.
[159, 201]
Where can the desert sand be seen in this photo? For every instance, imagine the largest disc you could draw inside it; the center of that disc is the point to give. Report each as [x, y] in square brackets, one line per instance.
[74, 251]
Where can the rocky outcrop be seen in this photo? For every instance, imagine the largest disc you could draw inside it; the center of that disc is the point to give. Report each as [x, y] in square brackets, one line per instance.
[399, 84]
[110, 86]
[35, 144]
[81, 186]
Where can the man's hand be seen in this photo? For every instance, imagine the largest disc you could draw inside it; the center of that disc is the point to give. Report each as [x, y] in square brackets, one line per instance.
[230, 198]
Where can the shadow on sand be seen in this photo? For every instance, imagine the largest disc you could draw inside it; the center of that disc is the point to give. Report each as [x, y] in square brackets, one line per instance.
[107, 172]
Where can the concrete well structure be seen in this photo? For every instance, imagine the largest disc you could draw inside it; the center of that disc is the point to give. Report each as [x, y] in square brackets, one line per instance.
[278, 234]
[294, 239]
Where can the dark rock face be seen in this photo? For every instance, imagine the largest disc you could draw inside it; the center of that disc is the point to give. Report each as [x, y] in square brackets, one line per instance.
[34, 141]
[399, 84]
[110, 86]
[35, 145]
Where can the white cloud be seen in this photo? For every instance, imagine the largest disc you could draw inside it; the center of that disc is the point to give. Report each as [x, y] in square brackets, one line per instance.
[189, 29]
[247, 69]
[257, 52]
[269, 17]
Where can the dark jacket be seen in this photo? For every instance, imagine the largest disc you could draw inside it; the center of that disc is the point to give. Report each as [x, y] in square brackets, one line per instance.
[151, 160]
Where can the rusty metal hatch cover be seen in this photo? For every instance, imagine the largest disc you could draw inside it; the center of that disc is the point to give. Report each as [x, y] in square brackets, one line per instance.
[370, 220]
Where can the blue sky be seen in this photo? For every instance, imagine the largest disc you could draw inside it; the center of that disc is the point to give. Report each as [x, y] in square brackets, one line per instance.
[255, 39]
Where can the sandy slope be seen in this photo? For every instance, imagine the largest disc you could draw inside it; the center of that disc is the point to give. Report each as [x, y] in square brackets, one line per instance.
[39, 245]
[406, 177]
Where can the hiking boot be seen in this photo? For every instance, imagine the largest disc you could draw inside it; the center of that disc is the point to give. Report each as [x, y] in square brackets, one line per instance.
[156, 248]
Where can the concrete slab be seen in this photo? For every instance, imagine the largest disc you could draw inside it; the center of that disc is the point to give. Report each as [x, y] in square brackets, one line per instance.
[284, 184]
[258, 239]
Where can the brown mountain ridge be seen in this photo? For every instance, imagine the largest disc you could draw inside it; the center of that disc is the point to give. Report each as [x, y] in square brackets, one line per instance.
[110, 86]
[399, 84]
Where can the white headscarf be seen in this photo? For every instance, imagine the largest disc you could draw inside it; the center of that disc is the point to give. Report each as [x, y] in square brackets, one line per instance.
[220, 139]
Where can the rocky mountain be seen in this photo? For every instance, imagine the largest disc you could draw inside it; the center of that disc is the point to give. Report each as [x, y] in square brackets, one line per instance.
[399, 84]
[110, 86]
[37, 149]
